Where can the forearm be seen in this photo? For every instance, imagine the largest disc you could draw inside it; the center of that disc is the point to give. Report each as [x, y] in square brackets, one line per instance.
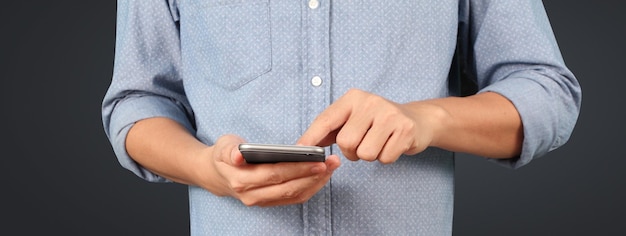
[486, 124]
[166, 148]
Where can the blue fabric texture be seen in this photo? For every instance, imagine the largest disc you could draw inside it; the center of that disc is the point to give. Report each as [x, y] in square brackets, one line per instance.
[264, 69]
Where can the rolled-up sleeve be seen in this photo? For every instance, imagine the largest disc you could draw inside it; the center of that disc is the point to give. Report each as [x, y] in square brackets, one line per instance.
[515, 54]
[146, 77]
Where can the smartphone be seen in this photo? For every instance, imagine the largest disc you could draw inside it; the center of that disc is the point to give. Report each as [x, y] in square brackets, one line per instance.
[273, 153]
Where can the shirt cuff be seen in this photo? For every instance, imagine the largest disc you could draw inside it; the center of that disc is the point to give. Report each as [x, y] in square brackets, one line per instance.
[133, 109]
[538, 114]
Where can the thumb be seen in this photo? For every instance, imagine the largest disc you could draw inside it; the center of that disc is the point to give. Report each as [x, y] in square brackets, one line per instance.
[236, 158]
[226, 150]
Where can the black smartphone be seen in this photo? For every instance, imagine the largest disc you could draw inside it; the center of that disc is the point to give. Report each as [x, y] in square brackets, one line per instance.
[273, 153]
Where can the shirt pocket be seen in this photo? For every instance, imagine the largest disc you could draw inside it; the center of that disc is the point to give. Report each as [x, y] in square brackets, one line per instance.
[229, 41]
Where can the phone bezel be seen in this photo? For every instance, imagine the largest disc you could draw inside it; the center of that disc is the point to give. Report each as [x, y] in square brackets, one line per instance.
[274, 153]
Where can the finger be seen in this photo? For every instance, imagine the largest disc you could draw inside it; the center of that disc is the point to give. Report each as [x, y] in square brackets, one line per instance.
[353, 131]
[393, 148]
[294, 191]
[236, 158]
[225, 149]
[373, 142]
[332, 163]
[326, 123]
[255, 176]
[329, 139]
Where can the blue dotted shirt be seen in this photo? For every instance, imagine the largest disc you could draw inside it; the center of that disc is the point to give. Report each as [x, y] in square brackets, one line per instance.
[264, 69]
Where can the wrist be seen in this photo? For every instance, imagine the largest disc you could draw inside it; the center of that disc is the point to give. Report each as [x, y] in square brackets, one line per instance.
[432, 119]
[201, 166]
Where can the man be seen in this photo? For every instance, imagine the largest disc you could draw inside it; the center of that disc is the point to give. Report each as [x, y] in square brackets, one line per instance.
[368, 80]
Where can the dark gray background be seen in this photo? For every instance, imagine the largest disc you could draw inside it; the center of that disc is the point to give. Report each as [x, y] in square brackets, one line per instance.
[60, 176]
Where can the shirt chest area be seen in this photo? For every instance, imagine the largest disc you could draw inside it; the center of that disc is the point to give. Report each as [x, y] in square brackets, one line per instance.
[357, 44]
[239, 28]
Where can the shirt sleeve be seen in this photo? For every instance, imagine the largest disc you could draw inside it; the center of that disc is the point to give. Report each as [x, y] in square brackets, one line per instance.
[146, 76]
[513, 52]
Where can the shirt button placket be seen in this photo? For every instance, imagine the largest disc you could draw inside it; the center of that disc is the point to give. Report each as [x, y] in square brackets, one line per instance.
[316, 212]
[314, 4]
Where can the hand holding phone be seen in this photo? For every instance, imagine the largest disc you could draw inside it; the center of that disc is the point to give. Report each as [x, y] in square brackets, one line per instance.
[273, 153]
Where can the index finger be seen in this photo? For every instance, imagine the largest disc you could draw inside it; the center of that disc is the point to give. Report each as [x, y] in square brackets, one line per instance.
[324, 128]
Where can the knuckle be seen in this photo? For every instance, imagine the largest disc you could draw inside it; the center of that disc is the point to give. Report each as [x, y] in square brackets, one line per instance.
[346, 142]
[316, 178]
[366, 154]
[395, 115]
[274, 178]
[386, 160]
[372, 102]
[291, 194]
[408, 125]
[237, 187]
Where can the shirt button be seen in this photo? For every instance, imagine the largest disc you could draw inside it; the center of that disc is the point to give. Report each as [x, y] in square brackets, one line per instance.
[316, 81]
[313, 4]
